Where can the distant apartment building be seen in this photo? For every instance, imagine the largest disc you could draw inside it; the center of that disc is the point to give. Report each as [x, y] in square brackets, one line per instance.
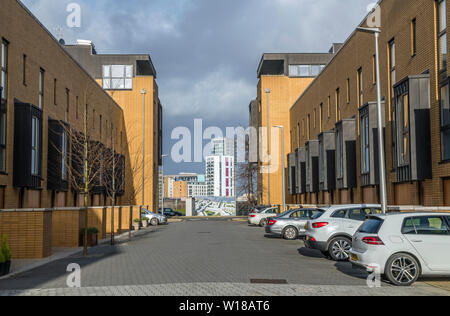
[180, 190]
[285, 77]
[333, 124]
[220, 176]
[195, 184]
[197, 189]
[124, 78]
[220, 168]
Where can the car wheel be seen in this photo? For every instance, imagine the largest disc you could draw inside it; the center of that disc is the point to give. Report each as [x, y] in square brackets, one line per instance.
[339, 248]
[154, 222]
[263, 222]
[402, 270]
[290, 233]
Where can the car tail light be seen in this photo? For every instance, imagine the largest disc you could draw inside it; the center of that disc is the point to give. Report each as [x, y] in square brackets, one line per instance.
[252, 216]
[313, 239]
[319, 225]
[373, 241]
[271, 222]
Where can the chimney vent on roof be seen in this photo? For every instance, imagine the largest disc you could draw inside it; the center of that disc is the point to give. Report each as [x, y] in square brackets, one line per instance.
[84, 42]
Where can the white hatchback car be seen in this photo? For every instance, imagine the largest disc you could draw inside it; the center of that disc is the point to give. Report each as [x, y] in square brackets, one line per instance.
[262, 218]
[404, 246]
[332, 232]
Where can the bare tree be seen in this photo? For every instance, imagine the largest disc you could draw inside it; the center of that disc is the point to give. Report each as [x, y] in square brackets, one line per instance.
[114, 176]
[82, 160]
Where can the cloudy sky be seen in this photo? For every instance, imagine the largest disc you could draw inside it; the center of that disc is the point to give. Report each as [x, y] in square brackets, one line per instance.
[206, 52]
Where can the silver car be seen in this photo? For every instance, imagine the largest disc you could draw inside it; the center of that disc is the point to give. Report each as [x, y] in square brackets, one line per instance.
[404, 246]
[153, 218]
[291, 224]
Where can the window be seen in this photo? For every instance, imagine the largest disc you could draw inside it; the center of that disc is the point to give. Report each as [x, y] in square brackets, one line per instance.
[442, 34]
[340, 214]
[4, 70]
[359, 214]
[329, 106]
[371, 226]
[35, 146]
[339, 154]
[76, 110]
[118, 77]
[360, 88]
[425, 225]
[3, 97]
[374, 69]
[365, 145]
[402, 122]
[55, 82]
[413, 37]
[321, 117]
[308, 127]
[41, 88]
[445, 123]
[67, 104]
[64, 155]
[315, 118]
[348, 90]
[338, 105]
[24, 70]
[305, 70]
[392, 68]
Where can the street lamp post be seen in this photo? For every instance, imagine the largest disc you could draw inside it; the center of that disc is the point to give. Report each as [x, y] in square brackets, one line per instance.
[381, 154]
[283, 165]
[162, 171]
[268, 148]
[143, 92]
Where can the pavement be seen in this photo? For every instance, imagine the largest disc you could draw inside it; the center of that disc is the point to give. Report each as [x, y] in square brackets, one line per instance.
[204, 258]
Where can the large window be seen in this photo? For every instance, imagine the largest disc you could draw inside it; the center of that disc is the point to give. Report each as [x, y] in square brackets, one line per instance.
[118, 77]
[365, 144]
[35, 146]
[305, 70]
[445, 123]
[402, 120]
[442, 34]
[339, 154]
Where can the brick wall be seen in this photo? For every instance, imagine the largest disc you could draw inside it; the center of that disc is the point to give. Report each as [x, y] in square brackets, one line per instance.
[29, 232]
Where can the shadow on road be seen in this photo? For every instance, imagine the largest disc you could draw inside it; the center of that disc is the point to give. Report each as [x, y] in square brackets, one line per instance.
[311, 253]
[55, 273]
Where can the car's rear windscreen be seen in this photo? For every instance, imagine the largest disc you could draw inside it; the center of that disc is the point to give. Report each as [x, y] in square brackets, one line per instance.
[371, 226]
[317, 214]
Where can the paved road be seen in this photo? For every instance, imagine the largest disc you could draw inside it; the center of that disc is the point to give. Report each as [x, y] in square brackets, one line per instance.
[204, 258]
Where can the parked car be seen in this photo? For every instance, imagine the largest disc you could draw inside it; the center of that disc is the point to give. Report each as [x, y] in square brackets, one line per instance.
[262, 218]
[332, 233]
[404, 246]
[291, 224]
[169, 212]
[258, 209]
[153, 218]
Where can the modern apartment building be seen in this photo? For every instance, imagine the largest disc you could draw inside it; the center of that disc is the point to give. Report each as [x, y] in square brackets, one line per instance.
[282, 79]
[48, 98]
[220, 179]
[220, 168]
[125, 78]
[198, 189]
[334, 147]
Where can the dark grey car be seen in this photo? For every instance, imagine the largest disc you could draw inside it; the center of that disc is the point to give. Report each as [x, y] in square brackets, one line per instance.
[291, 224]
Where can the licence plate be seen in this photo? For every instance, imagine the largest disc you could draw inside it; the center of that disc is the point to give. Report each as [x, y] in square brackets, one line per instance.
[354, 257]
[306, 226]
